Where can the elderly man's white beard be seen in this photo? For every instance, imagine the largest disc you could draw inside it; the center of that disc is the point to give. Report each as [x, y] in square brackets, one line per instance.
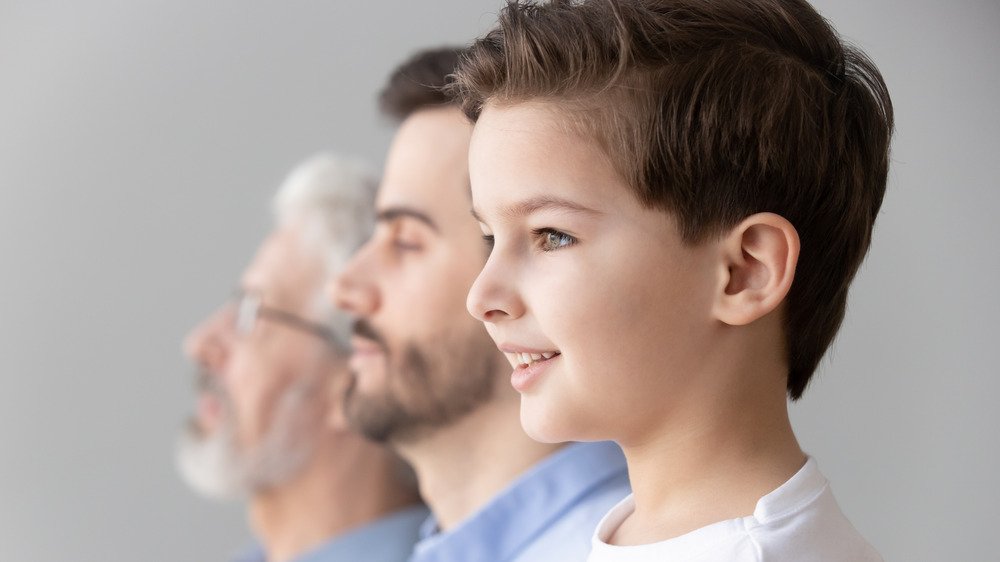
[216, 466]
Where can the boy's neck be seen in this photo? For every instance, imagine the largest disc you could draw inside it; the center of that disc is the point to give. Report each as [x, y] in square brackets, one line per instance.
[462, 467]
[714, 457]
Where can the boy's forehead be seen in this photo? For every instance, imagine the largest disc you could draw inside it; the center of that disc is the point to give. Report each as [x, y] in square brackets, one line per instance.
[525, 117]
[526, 147]
[536, 133]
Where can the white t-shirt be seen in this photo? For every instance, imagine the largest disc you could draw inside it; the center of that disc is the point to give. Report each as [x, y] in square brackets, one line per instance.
[798, 522]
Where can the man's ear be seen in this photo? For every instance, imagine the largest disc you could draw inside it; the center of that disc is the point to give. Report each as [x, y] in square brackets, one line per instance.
[756, 268]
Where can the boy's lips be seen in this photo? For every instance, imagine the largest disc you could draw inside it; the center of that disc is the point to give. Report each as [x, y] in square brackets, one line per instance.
[529, 363]
[525, 374]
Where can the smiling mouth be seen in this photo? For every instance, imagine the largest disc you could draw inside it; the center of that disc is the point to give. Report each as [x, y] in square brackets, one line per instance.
[521, 360]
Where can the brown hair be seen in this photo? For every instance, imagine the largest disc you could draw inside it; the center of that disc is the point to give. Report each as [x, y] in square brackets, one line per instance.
[714, 111]
[419, 83]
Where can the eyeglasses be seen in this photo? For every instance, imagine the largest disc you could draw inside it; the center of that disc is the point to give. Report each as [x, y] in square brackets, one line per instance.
[249, 308]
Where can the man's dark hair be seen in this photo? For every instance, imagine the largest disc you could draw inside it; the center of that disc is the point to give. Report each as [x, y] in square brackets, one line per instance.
[419, 83]
[714, 110]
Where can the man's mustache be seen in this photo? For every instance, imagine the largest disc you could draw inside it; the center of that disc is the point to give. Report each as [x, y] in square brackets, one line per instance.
[363, 329]
[205, 381]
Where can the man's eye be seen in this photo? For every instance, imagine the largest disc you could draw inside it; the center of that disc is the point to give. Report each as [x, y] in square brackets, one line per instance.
[406, 245]
[488, 240]
[550, 239]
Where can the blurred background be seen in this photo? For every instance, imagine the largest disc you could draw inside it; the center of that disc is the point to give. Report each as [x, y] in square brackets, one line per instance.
[140, 142]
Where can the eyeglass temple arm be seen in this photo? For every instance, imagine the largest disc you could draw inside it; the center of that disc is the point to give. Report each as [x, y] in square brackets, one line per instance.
[300, 323]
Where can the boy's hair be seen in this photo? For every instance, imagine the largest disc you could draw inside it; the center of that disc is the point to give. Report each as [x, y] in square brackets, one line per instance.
[713, 111]
[419, 83]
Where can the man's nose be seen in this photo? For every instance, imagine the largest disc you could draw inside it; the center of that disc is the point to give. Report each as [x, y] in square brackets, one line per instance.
[353, 290]
[207, 343]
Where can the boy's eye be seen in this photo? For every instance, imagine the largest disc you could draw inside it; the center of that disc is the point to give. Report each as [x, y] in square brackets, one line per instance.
[550, 239]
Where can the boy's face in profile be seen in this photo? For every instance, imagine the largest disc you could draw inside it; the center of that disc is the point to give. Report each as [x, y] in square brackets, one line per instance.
[616, 310]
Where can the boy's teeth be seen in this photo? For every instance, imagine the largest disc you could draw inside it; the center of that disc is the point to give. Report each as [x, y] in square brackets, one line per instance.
[529, 358]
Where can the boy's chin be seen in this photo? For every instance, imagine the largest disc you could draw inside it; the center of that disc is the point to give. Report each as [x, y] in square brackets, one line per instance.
[549, 423]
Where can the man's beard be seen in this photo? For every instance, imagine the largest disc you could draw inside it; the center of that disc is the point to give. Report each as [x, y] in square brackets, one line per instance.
[423, 390]
[217, 466]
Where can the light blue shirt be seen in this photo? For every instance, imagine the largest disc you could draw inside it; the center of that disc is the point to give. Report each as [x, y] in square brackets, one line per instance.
[389, 539]
[547, 515]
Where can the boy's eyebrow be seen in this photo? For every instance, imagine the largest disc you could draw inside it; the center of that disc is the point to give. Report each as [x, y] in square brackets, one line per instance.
[390, 214]
[529, 206]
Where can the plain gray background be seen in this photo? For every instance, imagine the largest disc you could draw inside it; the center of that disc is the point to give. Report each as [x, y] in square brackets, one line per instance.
[140, 142]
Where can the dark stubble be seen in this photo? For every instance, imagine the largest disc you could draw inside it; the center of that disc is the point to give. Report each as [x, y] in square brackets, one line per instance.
[427, 386]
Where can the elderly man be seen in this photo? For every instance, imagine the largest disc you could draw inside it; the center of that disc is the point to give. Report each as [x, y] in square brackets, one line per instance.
[272, 372]
[429, 380]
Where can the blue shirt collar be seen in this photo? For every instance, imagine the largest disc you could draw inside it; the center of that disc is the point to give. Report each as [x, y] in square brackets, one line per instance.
[389, 539]
[529, 505]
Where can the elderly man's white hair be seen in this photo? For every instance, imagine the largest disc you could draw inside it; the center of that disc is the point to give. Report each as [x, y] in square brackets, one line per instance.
[331, 199]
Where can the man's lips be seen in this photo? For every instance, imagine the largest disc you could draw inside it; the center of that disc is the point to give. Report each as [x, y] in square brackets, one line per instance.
[365, 346]
[367, 355]
[211, 396]
[209, 410]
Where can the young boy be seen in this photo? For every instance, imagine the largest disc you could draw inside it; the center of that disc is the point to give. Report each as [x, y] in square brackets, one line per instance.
[677, 195]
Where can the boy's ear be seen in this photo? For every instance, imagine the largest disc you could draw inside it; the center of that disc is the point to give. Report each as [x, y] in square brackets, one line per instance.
[756, 268]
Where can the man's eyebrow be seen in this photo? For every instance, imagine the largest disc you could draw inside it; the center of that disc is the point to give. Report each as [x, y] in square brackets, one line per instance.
[542, 202]
[394, 213]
